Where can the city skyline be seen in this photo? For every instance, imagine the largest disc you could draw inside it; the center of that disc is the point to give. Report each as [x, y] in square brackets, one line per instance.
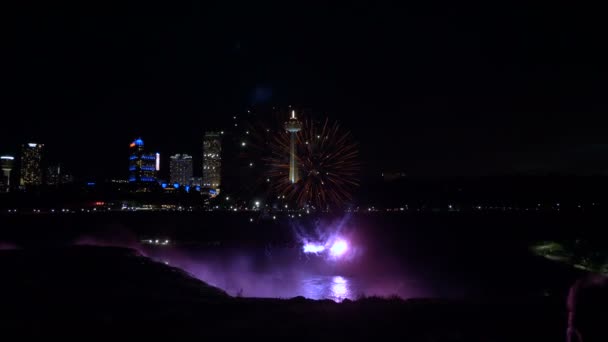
[419, 92]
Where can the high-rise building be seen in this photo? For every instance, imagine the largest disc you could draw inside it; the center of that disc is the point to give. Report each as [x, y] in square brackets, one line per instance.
[196, 181]
[212, 162]
[31, 164]
[57, 175]
[7, 163]
[293, 126]
[180, 169]
[142, 165]
[53, 175]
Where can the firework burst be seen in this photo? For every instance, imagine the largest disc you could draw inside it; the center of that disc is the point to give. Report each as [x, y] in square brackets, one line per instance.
[327, 160]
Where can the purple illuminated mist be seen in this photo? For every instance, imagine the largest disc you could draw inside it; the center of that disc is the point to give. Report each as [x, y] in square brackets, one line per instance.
[284, 273]
[327, 263]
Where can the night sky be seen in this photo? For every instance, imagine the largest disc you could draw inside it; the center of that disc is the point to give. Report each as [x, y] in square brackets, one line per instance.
[431, 89]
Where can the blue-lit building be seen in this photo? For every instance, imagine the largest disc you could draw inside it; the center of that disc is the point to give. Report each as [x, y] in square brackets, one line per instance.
[143, 166]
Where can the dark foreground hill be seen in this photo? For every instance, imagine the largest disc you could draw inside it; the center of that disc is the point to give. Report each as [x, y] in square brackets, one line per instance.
[103, 292]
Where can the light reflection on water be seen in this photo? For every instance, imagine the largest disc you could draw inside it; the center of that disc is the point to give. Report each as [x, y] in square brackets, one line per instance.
[339, 288]
[326, 287]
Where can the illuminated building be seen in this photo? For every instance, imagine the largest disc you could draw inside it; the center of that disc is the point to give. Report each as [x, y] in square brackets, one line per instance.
[31, 164]
[142, 166]
[7, 163]
[57, 175]
[180, 169]
[212, 162]
[293, 126]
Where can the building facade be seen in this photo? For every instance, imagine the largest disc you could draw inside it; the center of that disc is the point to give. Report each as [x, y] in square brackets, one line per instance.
[180, 169]
[57, 175]
[196, 181]
[212, 161]
[142, 165]
[31, 164]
